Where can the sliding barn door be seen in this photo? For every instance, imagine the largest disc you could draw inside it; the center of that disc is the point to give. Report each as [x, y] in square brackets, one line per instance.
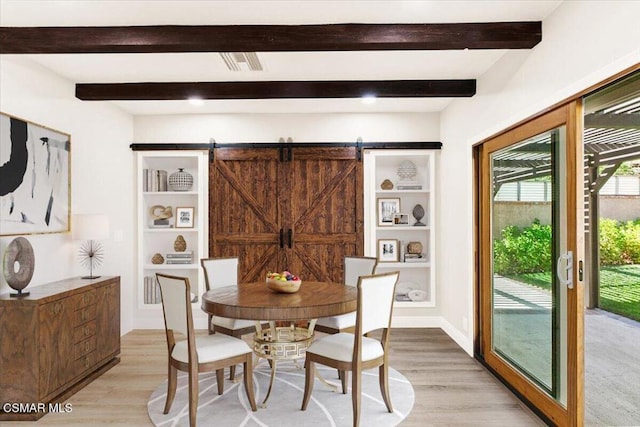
[323, 208]
[244, 209]
[299, 209]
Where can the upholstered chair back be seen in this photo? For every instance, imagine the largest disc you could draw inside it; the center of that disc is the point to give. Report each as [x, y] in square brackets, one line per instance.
[219, 272]
[354, 267]
[176, 302]
[375, 297]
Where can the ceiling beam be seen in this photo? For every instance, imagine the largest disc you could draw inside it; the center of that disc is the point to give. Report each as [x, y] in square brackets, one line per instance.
[269, 38]
[275, 89]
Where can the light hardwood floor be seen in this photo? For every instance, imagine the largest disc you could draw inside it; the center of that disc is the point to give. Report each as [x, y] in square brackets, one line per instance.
[451, 389]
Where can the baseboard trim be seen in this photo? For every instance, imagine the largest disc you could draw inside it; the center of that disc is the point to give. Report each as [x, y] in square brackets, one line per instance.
[462, 340]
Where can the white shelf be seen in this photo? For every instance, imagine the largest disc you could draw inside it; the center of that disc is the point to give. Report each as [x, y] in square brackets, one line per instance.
[170, 193]
[402, 191]
[413, 304]
[161, 240]
[170, 230]
[403, 265]
[381, 165]
[403, 228]
[171, 266]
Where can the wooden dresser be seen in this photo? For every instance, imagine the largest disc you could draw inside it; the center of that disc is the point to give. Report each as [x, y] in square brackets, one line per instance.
[56, 341]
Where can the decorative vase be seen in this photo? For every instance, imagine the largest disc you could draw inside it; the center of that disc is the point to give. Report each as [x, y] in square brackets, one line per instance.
[180, 245]
[386, 185]
[181, 180]
[418, 213]
[414, 247]
[157, 259]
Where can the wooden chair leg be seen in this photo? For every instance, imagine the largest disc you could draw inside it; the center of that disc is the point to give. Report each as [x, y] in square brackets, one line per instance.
[344, 379]
[248, 381]
[356, 395]
[220, 380]
[383, 374]
[193, 395]
[210, 325]
[172, 384]
[309, 372]
[232, 373]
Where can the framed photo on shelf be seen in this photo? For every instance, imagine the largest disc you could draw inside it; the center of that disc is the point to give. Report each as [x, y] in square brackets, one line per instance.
[184, 217]
[387, 208]
[400, 219]
[388, 250]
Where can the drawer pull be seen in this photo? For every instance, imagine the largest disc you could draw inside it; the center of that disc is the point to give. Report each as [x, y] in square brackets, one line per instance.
[87, 330]
[86, 362]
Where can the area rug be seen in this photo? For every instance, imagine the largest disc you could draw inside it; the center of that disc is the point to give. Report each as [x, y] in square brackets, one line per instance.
[326, 408]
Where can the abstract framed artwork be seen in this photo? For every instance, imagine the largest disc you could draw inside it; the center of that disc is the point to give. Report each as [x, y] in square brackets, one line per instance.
[35, 194]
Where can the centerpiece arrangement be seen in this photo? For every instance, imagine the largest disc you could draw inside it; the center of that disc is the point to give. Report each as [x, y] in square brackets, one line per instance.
[283, 282]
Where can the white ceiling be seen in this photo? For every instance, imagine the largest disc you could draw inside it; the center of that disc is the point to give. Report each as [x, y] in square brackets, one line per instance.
[177, 67]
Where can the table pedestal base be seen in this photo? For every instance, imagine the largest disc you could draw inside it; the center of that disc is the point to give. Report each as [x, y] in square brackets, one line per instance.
[281, 343]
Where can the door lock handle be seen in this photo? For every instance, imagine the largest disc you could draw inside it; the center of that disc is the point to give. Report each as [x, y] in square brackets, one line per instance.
[290, 237]
[565, 274]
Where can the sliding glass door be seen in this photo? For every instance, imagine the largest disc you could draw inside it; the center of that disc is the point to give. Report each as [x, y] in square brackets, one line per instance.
[530, 261]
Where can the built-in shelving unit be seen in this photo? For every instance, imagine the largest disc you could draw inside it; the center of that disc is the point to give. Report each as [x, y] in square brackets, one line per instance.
[416, 285]
[159, 239]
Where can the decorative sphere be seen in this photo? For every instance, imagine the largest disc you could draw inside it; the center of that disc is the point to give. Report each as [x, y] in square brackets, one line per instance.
[414, 247]
[407, 170]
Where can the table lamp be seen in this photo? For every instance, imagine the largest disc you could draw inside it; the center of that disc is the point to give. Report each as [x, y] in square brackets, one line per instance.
[90, 228]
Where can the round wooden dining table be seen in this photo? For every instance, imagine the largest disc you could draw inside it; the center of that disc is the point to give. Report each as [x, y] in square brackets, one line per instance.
[285, 338]
[255, 301]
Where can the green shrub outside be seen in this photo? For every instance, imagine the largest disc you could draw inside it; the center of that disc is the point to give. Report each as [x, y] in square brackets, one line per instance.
[523, 250]
[619, 242]
[528, 249]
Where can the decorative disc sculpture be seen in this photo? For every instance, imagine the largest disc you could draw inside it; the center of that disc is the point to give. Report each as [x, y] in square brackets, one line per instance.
[18, 264]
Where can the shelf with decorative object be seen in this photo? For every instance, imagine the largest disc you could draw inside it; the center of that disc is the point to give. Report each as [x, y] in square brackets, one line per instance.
[399, 221]
[172, 219]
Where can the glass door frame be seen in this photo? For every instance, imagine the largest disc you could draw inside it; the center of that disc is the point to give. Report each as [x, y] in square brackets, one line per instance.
[570, 116]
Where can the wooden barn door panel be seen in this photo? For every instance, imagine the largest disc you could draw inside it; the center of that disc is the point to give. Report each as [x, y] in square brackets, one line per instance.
[324, 211]
[244, 211]
[302, 212]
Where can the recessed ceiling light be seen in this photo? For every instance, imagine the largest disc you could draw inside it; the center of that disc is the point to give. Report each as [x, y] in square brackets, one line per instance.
[196, 101]
[368, 99]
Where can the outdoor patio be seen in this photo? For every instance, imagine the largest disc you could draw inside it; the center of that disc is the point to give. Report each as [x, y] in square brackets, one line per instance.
[612, 351]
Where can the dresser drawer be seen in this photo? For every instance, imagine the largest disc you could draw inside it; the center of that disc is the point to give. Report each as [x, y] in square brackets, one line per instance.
[85, 298]
[85, 347]
[86, 314]
[84, 363]
[85, 331]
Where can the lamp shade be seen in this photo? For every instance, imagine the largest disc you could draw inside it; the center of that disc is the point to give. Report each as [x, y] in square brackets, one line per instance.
[90, 227]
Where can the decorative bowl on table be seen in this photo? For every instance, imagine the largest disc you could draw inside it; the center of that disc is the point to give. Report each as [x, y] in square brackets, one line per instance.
[284, 282]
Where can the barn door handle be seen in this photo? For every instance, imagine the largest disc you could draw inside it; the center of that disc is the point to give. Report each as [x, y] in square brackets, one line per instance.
[290, 237]
[281, 238]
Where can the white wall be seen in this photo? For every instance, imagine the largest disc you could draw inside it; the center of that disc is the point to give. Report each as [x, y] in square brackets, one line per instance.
[229, 128]
[101, 172]
[583, 43]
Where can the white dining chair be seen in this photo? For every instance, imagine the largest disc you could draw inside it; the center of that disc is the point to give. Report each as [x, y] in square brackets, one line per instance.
[356, 352]
[197, 354]
[219, 272]
[354, 267]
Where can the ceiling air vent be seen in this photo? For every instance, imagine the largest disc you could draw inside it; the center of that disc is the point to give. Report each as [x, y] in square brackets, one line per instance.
[242, 61]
